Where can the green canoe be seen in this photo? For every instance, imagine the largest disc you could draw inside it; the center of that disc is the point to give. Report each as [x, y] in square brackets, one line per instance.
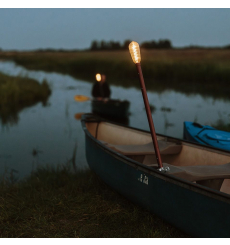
[193, 195]
[111, 108]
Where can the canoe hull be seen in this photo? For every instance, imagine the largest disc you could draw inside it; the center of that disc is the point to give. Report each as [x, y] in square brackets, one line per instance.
[190, 211]
[193, 209]
[111, 108]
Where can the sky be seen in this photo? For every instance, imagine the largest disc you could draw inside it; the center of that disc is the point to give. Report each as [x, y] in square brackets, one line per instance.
[76, 28]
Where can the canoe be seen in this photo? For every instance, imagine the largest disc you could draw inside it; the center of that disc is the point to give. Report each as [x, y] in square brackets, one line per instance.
[206, 135]
[112, 108]
[193, 195]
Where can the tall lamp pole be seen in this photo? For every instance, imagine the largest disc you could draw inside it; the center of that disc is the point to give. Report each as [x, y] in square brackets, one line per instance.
[136, 57]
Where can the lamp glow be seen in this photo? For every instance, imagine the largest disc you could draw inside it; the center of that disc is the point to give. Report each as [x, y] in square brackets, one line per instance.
[134, 50]
[98, 77]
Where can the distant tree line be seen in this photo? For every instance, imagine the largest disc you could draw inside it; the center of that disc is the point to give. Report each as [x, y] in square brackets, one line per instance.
[110, 45]
[206, 47]
[116, 45]
[161, 44]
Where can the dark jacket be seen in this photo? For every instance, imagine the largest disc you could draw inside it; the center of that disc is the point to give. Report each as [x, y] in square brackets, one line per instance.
[101, 90]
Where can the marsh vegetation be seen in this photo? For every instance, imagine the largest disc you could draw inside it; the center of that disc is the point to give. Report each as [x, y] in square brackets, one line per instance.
[204, 71]
[17, 93]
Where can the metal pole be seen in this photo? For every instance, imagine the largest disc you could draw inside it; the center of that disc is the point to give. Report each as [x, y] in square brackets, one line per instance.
[149, 115]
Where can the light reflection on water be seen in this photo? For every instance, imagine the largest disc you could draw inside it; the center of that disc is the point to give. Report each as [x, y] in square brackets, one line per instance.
[51, 132]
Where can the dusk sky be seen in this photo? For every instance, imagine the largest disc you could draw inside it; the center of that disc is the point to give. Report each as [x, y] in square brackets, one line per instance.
[27, 29]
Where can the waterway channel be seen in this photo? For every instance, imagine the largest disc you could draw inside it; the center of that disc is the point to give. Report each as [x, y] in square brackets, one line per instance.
[49, 135]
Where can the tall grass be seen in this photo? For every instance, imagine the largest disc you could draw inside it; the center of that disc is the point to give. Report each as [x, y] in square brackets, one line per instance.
[60, 203]
[19, 92]
[191, 71]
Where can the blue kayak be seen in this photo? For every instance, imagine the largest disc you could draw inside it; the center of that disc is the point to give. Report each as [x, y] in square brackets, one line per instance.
[206, 135]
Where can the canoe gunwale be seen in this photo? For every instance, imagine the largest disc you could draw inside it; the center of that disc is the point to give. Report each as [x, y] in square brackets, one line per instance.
[153, 171]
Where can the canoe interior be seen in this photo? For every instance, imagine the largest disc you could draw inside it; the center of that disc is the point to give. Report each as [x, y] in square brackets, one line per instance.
[137, 144]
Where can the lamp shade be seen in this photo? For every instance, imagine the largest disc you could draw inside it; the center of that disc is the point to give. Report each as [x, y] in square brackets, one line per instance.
[134, 50]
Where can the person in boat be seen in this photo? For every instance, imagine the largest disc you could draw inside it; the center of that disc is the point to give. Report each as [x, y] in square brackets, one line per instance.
[101, 89]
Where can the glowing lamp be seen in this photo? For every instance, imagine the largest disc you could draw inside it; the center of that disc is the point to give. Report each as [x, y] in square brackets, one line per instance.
[134, 50]
[98, 77]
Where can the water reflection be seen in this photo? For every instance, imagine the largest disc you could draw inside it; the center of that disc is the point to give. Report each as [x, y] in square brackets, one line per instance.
[118, 120]
[78, 115]
[9, 115]
[53, 134]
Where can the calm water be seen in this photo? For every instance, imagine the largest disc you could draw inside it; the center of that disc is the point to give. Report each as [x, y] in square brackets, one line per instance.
[53, 132]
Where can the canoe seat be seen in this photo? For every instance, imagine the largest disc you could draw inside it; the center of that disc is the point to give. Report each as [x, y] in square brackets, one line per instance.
[165, 147]
[209, 175]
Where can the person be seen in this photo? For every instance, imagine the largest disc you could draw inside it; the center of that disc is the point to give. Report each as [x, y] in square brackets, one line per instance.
[101, 88]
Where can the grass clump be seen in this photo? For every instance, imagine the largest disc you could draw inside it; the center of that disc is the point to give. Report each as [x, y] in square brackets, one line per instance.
[59, 203]
[19, 92]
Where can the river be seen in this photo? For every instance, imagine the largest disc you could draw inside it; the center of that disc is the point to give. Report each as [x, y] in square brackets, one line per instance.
[49, 135]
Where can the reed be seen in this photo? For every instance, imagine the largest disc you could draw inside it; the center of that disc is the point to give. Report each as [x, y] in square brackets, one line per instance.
[60, 203]
[204, 71]
[19, 92]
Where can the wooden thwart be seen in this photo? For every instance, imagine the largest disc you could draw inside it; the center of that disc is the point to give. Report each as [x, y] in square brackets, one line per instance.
[165, 147]
[200, 172]
[209, 175]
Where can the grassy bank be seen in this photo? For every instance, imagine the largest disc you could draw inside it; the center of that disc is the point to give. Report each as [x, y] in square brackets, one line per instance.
[58, 203]
[205, 71]
[19, 92]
